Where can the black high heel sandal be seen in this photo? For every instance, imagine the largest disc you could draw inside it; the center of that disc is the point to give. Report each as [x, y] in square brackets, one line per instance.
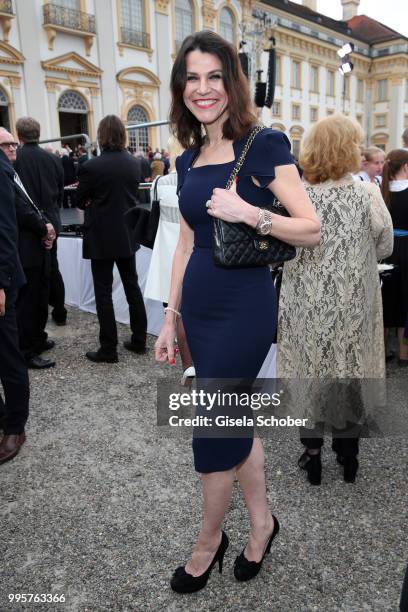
[312, 464]
[182, 582]
[246, 570]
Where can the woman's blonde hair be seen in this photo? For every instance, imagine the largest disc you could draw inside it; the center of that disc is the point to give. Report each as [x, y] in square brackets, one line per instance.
[175, 149]
[370, 152]
[331, 149]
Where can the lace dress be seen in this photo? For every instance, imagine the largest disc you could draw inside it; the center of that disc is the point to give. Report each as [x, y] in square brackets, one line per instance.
[330, 310]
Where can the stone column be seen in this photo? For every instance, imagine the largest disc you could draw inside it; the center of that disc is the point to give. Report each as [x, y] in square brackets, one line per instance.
[96, 107]
[16, 106]
[107, 56]
[246, 6]
[209, 13]
[369, 105]
[53, 112]
[286, 91]
[164, 64]
[396, 113]
[30, 26]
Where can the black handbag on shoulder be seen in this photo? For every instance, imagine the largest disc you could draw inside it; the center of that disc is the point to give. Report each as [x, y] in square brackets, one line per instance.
[237, 245]
[144, 223]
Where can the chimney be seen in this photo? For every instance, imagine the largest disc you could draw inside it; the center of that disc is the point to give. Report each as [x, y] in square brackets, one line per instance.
[350, 8]
[310, 4]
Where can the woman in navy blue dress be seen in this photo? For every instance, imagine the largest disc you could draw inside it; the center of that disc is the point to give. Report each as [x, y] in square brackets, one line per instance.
[229, 314]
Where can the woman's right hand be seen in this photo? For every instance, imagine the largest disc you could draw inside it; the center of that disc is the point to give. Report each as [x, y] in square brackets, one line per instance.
[165, 346]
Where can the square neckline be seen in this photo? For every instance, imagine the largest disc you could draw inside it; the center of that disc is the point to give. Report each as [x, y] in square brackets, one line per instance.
[235, 146]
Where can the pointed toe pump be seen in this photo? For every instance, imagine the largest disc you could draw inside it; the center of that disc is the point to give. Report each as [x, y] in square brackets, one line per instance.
[246, 570]
[182, 582]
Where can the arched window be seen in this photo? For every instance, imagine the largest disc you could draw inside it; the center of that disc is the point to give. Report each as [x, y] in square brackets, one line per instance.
[227, 25]
[73, 114]
[4, 111]
[184, 21]
[138, 139]
[72, 102]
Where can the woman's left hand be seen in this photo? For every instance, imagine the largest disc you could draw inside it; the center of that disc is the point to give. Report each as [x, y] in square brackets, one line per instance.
[227, 205]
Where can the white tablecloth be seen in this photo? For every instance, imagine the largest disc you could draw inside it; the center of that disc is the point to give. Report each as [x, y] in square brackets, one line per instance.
[79, 291]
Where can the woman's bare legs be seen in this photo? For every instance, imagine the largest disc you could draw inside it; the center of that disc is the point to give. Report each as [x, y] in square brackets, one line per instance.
[217, 491]
[251, 476]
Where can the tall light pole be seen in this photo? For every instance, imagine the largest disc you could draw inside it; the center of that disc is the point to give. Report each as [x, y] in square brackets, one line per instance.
[346, 66]
[255, 34]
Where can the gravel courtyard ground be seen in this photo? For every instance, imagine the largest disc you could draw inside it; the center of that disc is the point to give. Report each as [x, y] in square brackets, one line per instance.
[101, 507]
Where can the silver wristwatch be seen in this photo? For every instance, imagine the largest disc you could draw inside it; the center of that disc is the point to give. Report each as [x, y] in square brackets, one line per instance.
[264, 224]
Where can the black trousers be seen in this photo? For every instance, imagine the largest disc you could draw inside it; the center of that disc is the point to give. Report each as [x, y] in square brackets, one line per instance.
[102, 273]
[345, 441]
[57, 288]
[32, 308]
[13, 370]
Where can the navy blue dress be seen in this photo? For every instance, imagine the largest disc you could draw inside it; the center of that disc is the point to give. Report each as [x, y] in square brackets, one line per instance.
[229, 315]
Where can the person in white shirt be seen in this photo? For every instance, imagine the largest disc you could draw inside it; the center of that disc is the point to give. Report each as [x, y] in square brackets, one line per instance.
[159, 275]
[371, 165]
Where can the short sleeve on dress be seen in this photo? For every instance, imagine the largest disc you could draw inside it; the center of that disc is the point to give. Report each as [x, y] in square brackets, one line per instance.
[270, 148]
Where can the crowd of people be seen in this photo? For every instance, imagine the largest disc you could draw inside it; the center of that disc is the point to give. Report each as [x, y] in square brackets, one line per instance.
[349, 210]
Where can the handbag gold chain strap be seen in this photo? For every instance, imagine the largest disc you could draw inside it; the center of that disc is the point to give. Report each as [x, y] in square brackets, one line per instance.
[239, 164]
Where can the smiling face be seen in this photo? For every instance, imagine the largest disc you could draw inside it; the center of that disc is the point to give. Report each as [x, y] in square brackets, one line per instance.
[204, 93]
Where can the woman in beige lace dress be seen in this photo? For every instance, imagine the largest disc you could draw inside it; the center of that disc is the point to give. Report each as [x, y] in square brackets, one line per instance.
[330, 310]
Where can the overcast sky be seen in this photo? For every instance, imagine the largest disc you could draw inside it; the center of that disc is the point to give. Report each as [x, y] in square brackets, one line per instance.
[393, 13]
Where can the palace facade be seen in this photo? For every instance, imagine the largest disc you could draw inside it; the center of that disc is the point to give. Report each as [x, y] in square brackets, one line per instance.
[70, 62]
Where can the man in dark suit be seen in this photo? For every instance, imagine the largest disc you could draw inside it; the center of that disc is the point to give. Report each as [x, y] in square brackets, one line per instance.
[35, 235]
[43, 177]
[13, 370]
[107, 189]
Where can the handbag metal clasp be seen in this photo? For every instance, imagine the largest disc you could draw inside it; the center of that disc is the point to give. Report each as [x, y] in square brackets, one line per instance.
[263, 245]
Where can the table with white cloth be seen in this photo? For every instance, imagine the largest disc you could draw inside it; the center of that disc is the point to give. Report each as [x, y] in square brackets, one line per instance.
[79, 291]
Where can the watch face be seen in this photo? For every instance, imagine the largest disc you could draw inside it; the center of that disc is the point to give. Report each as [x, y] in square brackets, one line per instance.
[265, 227]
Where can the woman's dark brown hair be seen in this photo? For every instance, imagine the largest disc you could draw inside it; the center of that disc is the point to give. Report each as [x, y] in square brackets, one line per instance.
[112, 133]
[186, 128]
[392, 165]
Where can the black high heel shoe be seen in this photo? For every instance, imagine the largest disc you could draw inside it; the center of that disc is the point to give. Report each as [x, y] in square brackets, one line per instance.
[337, 449]
[246, 570]
[313, 466]
[182, 582]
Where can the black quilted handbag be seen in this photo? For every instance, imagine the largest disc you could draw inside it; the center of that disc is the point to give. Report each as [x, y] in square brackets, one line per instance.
[237, 245]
